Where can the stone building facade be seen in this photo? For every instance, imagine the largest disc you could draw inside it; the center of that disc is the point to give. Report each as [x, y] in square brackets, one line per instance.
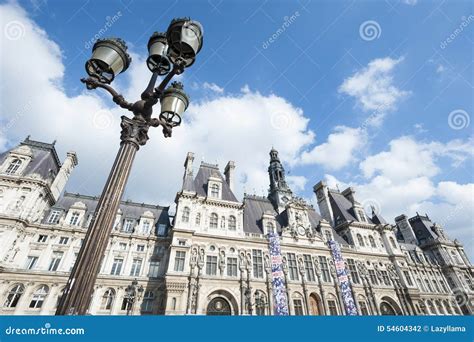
[211, 257]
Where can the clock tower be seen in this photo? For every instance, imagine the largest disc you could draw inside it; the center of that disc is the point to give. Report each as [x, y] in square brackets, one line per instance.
[279, 193]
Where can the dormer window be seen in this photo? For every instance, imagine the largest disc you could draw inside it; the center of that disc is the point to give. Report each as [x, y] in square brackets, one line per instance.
[146, 227]
[74, 221]
[215, 190]
[161, 229]
[185, 216]
[54, 217]
[328, 235]
[362, 216]
[13, 167]
[270, 227]
[128, 226]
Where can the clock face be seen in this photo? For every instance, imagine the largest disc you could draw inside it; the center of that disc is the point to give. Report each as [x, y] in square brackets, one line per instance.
[301, 230]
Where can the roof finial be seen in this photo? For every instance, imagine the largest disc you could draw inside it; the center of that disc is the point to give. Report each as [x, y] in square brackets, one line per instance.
[54, 142]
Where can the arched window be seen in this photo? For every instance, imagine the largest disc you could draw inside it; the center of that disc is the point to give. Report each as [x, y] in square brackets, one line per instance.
[146, 227]
[74, 221]
[38, 297]
[361, 240]
[198, 219]
[260, 303]
[232, 223]
[148, 299]
[431, 307]
[222, 222]
[185, 216]
[392, 242]
[215, 190]
[14, 296]
[270, 227]
[107, 299]
[372, 241]
[213, 221]
[13, 167]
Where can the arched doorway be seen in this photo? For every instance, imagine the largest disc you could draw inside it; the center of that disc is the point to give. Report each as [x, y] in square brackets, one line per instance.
[386, 309]
[314, 305]
[219, 306]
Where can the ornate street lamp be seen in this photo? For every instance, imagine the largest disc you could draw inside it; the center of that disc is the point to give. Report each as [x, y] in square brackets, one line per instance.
[169, 54]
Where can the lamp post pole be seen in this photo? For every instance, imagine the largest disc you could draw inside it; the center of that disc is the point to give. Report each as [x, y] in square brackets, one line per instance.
[179, 47]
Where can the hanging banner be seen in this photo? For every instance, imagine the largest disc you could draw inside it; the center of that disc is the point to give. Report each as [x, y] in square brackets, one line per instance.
[280, 302]
[341, 273]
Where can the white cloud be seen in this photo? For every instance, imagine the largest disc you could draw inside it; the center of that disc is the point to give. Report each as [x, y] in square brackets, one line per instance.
[373, 88]
[339, 150]
[217, 129]
[297, 183]
[213, 87]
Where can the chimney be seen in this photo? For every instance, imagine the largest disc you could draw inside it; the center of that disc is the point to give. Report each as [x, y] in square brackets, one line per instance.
[63, 175]
[322, 195]
[349, 193]
[188, 168]
[229, 174]
[406, 229]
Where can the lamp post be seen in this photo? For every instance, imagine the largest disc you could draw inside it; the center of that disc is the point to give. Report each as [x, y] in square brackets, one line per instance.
[169, 54]
[132, 292]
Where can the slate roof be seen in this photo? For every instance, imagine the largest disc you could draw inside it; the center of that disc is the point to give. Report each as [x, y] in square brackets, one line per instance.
[422, 227]
[254, 207]
[200, 182]
[45, 161]
[130, 210]
[377, 218]
[342, 207]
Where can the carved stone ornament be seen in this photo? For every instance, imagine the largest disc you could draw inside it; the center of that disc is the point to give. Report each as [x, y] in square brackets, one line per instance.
[134, 131]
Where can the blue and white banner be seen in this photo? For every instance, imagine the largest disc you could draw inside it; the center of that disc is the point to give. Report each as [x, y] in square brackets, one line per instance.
[344, 282]
[280, 302]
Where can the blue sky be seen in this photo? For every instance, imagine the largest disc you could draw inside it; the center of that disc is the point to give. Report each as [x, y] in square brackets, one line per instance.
[373, 94]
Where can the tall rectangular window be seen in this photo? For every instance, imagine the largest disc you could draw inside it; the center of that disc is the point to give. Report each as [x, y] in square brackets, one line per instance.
[308, 266]
[324, 269]
[298, 306]
[161, 229]
[136, 267]
[154, 270]
[292, 266]
[211, 265]
[232, 267]
[386, 279]
[55, 261]
[128, 226]
[63, 240]
[179, 261]
[373, 277]
[42, 238]
[54, 217]
[74, 261]
[332, 307]
[257, 263]
[353, 270]
[31, 262]
[117, 266]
